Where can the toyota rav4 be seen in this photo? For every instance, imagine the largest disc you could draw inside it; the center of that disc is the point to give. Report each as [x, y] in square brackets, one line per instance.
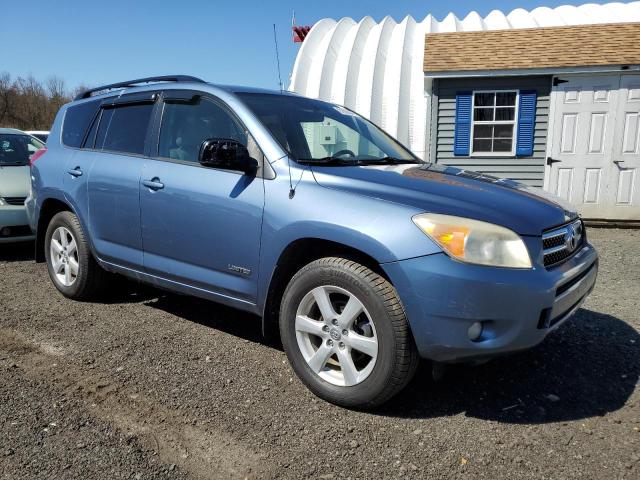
[361, 255]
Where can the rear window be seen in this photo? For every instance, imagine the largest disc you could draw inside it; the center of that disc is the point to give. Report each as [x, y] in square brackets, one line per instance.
[124, 129]
[76, 123]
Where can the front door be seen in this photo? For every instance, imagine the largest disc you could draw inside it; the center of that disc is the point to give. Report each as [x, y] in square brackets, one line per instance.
[201, 226]
[594, 145]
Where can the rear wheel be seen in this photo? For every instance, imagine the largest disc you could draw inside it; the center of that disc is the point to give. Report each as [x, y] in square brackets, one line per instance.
[72, 268]
[345, 333]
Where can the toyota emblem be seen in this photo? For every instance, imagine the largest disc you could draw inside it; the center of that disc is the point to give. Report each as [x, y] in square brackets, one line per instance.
[570, 239]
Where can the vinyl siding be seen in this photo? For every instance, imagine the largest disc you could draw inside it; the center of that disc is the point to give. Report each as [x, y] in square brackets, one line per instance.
[529, 170]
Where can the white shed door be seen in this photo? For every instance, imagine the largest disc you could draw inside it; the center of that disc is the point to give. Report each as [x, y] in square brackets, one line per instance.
[595, 145]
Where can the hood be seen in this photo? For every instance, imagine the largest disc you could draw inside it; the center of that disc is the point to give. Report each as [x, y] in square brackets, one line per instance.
[14, 181]
[452, 191]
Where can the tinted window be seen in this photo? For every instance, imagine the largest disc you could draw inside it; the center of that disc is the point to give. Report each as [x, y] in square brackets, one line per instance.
[186, 125]
[76, 122]
[124, 129]
[16, 149]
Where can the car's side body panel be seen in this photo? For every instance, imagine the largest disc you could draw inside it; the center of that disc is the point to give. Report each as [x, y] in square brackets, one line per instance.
[114, 207]
[203, 227]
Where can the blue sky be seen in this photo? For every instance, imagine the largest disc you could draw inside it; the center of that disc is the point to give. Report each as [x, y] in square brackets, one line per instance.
[93, 43]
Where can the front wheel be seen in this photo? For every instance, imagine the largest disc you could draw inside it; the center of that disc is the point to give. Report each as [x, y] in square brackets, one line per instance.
[345, 333]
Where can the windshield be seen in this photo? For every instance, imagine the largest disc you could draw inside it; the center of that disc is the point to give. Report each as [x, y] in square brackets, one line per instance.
[313, 131]
[17, 149]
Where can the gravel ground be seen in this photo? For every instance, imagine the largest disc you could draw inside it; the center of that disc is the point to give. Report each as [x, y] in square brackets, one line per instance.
[153, 385]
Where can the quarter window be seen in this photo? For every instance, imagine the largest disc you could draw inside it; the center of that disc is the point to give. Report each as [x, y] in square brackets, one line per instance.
[124, 129]
[76, 122]
[494, 122]
[185, 125]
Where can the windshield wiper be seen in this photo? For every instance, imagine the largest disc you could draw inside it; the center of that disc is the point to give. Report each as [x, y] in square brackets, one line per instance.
[328, 161]
[354, 161]
[389, 161]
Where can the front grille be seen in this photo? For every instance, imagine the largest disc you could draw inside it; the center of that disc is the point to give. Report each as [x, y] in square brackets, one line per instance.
[14, 200]
[562, 242]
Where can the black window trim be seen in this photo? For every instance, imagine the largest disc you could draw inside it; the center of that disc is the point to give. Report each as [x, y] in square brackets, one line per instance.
[264, 171]
[94, 121]
[188, 96]
[121, 101]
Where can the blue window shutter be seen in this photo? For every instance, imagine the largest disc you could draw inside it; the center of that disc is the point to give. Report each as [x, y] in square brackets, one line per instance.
[462, 135]
[526, 123]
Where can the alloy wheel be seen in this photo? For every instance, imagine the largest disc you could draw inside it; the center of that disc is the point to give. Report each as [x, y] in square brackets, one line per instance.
[336, 335]
[64, 256]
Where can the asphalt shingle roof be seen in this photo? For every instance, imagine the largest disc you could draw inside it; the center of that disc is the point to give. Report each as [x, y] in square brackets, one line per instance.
[584, 45]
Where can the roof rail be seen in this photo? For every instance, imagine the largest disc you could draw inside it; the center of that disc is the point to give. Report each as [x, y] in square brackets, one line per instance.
[131, 83]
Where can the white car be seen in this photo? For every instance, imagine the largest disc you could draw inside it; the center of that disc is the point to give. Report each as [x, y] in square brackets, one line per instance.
[16, 150]
[41, 135]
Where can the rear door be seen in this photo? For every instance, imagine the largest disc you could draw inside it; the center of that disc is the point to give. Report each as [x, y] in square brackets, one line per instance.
[119, 148]
[201, 226]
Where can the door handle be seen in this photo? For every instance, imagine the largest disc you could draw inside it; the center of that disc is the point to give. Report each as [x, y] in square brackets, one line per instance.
[551, 161]
[154, 184]
[76, 172]
[619, 164]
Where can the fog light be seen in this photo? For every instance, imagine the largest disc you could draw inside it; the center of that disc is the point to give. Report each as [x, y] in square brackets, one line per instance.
[5, 232]
[475, 331]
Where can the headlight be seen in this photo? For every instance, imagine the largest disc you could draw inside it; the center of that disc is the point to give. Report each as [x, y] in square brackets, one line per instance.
[474, 241]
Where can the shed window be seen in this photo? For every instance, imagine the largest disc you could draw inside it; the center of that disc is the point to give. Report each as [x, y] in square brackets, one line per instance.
[493, 127]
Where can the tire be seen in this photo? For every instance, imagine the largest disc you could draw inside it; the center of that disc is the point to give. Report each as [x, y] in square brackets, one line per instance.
[365, 309]
[73, 271]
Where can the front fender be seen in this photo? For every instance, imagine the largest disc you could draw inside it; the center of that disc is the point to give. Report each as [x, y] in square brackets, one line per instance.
[381, 229]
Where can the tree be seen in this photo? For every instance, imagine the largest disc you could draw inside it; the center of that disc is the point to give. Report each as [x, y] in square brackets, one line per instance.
[27, 104]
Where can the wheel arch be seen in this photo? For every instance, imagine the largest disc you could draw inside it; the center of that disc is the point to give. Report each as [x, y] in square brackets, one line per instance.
[296, 255]
[50, 207]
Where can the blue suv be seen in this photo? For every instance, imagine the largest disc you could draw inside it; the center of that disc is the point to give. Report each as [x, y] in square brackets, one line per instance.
[363, 257]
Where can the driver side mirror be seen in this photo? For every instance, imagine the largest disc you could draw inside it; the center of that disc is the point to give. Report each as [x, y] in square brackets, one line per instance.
[226, 154]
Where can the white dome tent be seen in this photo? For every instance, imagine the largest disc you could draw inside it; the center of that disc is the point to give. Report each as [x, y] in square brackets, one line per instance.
[376, 69]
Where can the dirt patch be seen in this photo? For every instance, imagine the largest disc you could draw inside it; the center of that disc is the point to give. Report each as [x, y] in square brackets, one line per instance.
[200, 452]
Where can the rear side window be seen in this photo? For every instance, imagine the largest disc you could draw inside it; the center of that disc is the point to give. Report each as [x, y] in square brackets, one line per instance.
[124, 129]
[76, 122]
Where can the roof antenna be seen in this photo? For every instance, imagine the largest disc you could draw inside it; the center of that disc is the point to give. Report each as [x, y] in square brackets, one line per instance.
[275, 39]
[292, 189]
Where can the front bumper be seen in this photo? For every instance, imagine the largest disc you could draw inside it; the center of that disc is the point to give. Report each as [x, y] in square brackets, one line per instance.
[14, 218]
[518, 308]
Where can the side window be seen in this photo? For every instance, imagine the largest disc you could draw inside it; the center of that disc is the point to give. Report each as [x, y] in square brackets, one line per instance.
[124, 128]
[76, 122]
[185, 126]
